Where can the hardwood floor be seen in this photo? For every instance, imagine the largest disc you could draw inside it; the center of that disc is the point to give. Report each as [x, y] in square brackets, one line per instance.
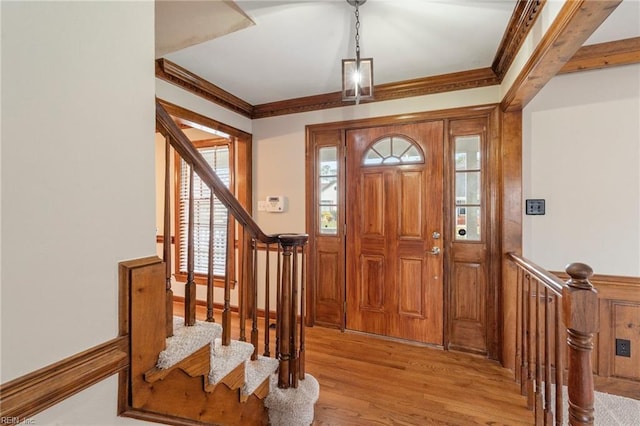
[374, 381]
[367, 380]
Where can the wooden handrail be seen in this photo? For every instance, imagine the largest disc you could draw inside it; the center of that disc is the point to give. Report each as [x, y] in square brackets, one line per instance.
[190, 154]
[554, 283]
[576, 305]
[290, 344]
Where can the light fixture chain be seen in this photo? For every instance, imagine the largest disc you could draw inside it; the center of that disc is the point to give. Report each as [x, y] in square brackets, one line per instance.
[357, 31]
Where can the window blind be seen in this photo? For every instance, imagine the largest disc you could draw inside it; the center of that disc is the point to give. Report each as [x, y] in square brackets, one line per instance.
[218, 159]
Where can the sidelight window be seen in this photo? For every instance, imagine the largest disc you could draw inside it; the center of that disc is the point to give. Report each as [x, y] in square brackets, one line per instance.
[328, 190]
[467, 188]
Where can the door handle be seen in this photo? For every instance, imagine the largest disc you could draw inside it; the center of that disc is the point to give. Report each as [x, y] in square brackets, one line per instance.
[435, 251]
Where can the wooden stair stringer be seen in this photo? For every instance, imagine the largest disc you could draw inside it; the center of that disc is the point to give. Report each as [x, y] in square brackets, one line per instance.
[260, 392]
[179, 394]
[235, 379]
[175, 395]
[196, 364]
[258, 373]
[226, 404]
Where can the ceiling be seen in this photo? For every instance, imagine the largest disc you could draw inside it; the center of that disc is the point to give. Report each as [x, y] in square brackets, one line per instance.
[265, 51]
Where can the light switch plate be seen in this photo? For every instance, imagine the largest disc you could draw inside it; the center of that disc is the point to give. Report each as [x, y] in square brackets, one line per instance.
[535, 207]
[623, 348]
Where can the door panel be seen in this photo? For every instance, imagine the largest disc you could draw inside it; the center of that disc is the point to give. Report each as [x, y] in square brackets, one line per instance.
[411, 283]
[411, 213]
[468, 306]
[394, 198]
[373, 196]
[372, 297]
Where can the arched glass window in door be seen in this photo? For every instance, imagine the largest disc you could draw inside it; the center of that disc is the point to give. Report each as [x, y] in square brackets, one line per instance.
[392, 150]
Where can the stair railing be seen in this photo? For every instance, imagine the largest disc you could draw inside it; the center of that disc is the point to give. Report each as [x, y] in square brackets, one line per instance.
[555, 323]
[290, 265]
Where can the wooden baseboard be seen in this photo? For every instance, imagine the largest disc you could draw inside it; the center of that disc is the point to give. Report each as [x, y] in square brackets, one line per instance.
[34, 392]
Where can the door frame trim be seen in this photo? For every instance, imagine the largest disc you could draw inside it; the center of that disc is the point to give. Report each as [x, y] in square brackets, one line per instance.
[489, 111]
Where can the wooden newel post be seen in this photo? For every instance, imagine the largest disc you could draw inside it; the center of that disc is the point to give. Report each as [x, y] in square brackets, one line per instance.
[284, 380]
[288, 337]
[580, 306]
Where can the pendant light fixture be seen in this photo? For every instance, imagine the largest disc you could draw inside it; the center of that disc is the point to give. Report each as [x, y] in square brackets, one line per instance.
[357, 74]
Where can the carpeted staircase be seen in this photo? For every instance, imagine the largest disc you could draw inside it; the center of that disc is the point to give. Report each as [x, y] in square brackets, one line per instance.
[190, 378]
[232, 366]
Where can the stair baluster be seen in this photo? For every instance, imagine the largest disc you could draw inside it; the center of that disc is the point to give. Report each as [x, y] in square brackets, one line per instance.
[301, 354]
[538, 338]
[576, 305]
[559, 365]
[166, 243]
[294, 319]
[254, 302]
[242, 286]
[548, 410]
[190, 285]
[210, 257]
[267, 317]
[519, 360]
[530, 389]
[226, 312]
[278, 299]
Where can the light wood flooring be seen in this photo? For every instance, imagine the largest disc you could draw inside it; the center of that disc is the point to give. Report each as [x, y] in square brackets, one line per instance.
[368, 380]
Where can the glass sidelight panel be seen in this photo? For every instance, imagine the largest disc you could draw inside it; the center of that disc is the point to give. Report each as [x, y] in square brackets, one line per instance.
[468, 187]
[468, 152]
[468, 190]
[328, 190]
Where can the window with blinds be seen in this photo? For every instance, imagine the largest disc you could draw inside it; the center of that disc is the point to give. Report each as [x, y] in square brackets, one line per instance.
[218, 157]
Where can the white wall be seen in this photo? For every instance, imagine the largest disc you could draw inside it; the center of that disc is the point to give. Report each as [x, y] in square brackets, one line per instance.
[77, 182]
[581, 150]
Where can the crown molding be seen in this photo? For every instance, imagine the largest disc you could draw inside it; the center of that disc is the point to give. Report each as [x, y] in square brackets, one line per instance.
[574, 24]
[175, 74]
[383, 92]
[524, 16]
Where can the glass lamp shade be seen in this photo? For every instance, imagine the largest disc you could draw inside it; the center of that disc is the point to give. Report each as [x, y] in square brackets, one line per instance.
[357, 86]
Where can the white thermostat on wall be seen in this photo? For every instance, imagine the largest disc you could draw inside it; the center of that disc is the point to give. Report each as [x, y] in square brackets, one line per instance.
[275, 203]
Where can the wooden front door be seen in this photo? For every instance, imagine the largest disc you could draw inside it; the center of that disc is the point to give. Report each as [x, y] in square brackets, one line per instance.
[394, 204]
